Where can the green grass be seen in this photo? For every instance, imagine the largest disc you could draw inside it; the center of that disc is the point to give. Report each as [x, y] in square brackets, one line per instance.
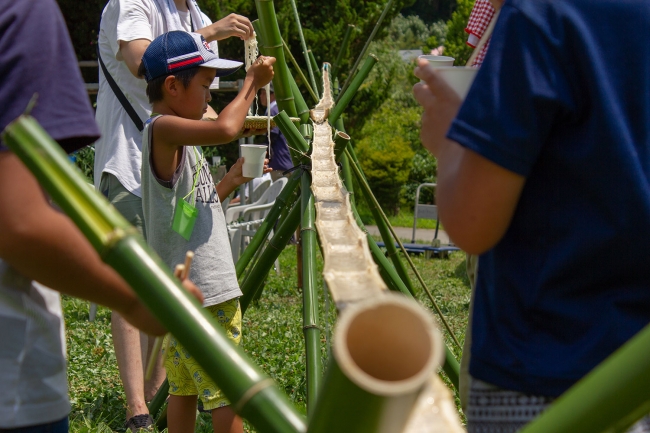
[273, 338]
[404, 219]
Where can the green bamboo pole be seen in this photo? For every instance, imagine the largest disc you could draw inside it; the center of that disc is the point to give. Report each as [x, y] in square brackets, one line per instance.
[388, 241]
[269, 221]
[391, 250]
[307, 132]
[344, 48]
[314, 65]
[375, 375]
[345, 98]
[301, 105]
[255, 280]
[294, 138]
[272, 44]
[303, 45]
[299, 71]
[310, 295]
[252, 393]
[610, 398]
[389, 4]
[341, 140]
[159, 399]
[383, 227]
[386, 270]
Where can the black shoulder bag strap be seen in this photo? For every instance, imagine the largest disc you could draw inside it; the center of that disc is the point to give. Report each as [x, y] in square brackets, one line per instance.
[119, 95]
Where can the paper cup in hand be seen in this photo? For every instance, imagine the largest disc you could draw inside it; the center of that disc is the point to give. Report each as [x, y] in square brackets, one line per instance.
[458, 78]
[438, 60]
[254, 156]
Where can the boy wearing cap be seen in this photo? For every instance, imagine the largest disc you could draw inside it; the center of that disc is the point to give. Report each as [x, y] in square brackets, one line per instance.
[182, 207]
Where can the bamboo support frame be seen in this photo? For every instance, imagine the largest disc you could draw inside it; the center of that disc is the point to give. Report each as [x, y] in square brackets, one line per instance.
[299, 71]
[389, 4]
[344, 47]
[309, 242]
[159, 399]
[341, 140]
[253, 394]
[263, 231]
[292, 134]
[345, 97]
[611, 398]
[384, 352]
[255, 280]
[366, 188]
[346, 173]
[272, 45]
[301, 105]
[387, 272]
[314, 63]
[310, 70]
[451, 367]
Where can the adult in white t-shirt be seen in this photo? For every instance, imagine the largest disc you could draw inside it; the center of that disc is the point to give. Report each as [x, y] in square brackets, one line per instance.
[127, 27]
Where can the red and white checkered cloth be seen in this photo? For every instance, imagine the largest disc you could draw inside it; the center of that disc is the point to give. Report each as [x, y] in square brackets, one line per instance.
[479, 20]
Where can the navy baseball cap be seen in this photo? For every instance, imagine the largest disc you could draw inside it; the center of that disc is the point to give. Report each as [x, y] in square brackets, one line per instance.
[175, 51]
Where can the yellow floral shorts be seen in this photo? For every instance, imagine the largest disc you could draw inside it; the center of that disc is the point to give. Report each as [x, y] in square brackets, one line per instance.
[185, 375]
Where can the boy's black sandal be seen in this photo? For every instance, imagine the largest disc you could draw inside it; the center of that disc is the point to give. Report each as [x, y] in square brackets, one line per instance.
[139, 422]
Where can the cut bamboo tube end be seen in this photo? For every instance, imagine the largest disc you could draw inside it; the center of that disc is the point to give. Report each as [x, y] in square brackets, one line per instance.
[388, 345]
[385, 351]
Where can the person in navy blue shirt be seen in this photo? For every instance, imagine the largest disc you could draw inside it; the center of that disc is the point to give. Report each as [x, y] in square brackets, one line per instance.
[279, 160]
[544, 171]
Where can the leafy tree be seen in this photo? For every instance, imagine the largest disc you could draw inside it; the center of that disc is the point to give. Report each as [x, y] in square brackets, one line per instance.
[456, 38]
[384, 121]
[324, 24]
[431, 11]
[437, 37]
[385, 154]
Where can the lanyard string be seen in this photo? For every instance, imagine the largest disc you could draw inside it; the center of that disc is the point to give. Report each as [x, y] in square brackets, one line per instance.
[199, 166]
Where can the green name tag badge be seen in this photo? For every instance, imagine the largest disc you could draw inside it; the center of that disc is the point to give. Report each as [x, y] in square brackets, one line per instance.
[185, 213]
[184, 219]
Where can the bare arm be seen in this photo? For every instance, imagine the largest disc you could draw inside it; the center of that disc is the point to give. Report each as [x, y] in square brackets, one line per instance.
[174, 131]
[476, 197]
[235, 178]
[44, 245]
[232, 25]
[131, 53]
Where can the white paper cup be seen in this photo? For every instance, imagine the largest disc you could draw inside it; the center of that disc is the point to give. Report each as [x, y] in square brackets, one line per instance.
[254, 156]
[458, 78]
[438, 60]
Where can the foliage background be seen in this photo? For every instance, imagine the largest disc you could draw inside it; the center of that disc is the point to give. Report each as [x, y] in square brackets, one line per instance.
[383, 117]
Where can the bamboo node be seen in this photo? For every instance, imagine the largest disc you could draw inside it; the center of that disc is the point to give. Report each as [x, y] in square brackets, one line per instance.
[115, 236]
[252, 392]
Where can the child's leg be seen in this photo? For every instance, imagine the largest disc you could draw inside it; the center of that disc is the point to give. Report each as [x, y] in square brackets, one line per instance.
[181, 414]
[224, 420]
